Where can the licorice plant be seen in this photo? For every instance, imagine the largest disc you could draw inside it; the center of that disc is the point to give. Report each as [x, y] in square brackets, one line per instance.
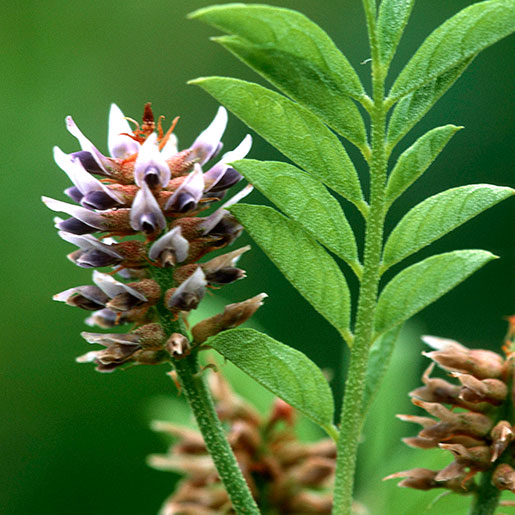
[149, 194]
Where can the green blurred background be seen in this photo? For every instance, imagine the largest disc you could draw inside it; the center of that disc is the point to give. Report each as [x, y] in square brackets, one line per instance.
[75, 441]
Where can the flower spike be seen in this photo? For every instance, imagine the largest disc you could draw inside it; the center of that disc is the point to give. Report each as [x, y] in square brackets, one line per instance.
[148, 199]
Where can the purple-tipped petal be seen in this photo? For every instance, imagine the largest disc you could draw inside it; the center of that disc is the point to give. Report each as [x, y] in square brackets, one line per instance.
[86, 145]
[111, 287]
[106, 318]
[150, 166]
[212, 221]
[188, 295]
[207, 143]
[74, 193]
[110, 339]
[74, 226]
[171, 147]
[146, 215]
[87, 297]
[87, 242]
[120, 145]
[170, 249]
[187, 195]
[86, 216]
[95, 194]
[88, 162]
[222, 176]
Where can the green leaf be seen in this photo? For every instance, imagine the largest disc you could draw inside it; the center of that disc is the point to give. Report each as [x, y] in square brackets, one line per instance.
[291, 35]
[378, 363]
[453, 43]
[438, 215]
[292, 129]
[415, 105]
[284, 371]
[310, 269]
[304, 199]
[309, 86]
[393, 16]
[414, 161]
[421, 284]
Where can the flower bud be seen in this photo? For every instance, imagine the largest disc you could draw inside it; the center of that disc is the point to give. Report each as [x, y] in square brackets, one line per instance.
[178, 345]
[502, 435]
[504, 477]
[188, 295]
[475, 390]
[233, 316]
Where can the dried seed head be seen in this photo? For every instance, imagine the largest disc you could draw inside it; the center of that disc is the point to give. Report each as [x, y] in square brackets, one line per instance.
[473, 434]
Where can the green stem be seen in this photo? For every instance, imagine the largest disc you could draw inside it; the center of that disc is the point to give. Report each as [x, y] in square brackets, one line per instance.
[199, 398]
[201, 403]
[353, 415]
[487, 497]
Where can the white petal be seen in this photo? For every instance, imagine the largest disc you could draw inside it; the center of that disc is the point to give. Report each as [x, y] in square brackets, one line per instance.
[87, 242]
[65, 295]
[225, 260]
[192, 185]
[120, 145]
[212, 220]
[89, 357]
[207, 142]
[111, 287]
[216, 173]
[86, 145]
[171, 147]
[107, 339]
[195, 283]
[84, 181]
[239, 152]
[442, 343]
[87, 216]
[144, 205]
[171, 240]
[150, 157]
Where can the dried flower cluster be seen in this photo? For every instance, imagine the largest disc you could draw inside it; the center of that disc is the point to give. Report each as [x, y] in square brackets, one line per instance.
[473, 420]
[284, 474]
[144, 205]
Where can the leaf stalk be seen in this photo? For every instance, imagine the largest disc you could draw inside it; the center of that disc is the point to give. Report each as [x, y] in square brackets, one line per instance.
[353, 416]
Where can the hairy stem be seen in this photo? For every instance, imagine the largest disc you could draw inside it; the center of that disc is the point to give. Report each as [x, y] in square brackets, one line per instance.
[201, 403]
[352, 417]
[199, 398]
[487, 497]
